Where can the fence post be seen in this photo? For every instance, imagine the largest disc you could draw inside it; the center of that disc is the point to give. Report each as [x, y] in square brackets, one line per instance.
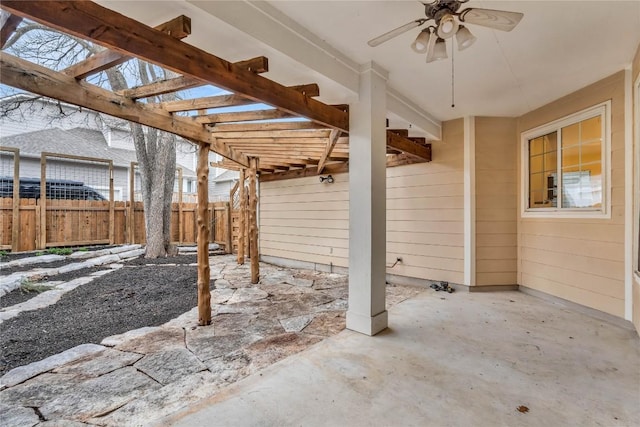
[180, 213]
[15, 214]
[112, 211]
[241, 217]
[132, 195]
[228, 237]
[253, 220]
[42, 240]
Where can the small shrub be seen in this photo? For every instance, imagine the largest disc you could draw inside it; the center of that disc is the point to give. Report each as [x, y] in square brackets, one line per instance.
[83, 249]
[59, 251]
[27, 287]
[3, 254]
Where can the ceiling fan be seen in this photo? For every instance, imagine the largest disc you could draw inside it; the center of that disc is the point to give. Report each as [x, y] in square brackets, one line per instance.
[448, 23]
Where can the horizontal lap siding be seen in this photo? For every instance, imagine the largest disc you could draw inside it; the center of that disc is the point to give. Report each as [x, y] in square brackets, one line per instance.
[636, 279]
[305, 220]
[581, 260]
[425, 212]
[496, 201]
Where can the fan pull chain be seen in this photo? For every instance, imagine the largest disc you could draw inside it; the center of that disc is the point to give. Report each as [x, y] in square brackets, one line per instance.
[453, 88]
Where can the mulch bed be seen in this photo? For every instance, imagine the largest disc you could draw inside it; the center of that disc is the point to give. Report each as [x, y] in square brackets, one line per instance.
[129, 298]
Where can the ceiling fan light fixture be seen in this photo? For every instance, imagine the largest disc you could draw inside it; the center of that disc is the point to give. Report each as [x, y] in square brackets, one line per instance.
[421, 43]
[448, 26]
[438, 52]
[464, 38]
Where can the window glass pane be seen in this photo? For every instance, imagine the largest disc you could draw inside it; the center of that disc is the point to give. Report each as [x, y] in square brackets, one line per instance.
[536, 164]
[591, 152]
[550, 142]
[536, 200]
[536, 182]
[582, 164]
[550, 161]
[590, 129]
[571, 135]
[536, 186]
[570, 155]
[542, 169]
[535, 146]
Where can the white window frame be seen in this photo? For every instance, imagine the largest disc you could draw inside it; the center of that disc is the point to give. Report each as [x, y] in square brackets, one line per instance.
[603, 110]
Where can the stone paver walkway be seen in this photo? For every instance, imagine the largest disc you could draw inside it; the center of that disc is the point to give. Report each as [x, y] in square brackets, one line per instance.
[145, 374]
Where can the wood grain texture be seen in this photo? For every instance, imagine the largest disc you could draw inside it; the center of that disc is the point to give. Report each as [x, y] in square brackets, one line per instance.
[204, 271]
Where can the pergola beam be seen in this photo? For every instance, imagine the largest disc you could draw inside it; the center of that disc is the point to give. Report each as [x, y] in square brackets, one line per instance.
[407, 146]
[331, 143]
[249, 127]
[257, 65]
[230, 100]
[8, 28]
[121, 33]
[35, 78]
[179, 28]
[160, 87]
[287, 134]
[242, 116]
[205, 103]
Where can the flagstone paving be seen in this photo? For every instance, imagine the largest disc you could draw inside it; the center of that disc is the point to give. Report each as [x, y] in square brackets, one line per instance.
[148, 373]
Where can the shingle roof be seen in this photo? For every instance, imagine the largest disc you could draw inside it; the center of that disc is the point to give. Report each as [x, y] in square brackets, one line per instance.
[77, 142]
[226, 176]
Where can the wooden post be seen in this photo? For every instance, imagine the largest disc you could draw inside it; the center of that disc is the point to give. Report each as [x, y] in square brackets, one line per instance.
[228, 235]
[204, 295]
[253, 220]
[112, 212]
[15, 222]
[241, 216]
[180, 213]
[132, 211]
[42, 237]
[245, 230]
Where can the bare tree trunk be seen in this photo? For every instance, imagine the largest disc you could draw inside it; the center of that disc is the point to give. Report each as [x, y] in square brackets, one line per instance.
[156, 153]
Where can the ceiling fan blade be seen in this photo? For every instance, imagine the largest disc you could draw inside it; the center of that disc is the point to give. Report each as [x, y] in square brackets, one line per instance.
[496, 19]
[393, 33]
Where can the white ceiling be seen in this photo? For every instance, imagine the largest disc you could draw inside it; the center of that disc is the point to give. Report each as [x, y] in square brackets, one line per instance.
[558, 47]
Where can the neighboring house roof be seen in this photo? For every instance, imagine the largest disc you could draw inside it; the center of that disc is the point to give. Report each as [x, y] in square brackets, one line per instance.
[226, 176]
[77, 142]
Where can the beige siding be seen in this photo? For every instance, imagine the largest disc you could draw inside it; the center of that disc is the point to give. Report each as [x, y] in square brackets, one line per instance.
[636, 179]
[496, 201]
[425, 204]
[581, 260]
[305, 220]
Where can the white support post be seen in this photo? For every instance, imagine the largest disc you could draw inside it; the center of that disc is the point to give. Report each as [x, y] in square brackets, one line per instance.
[367, 204]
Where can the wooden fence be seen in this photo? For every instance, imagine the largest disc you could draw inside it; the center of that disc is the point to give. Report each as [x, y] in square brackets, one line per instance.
[85, 222]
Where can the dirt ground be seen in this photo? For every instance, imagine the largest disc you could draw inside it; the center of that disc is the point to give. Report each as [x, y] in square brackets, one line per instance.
[134, 296]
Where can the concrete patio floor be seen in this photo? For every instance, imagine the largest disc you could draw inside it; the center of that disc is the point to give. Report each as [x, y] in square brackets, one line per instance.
[466, 359]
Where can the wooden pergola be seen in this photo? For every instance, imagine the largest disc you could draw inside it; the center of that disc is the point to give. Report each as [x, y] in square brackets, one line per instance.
[275, 131]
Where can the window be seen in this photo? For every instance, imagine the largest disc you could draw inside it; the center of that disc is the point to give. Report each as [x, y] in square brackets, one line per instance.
[565, 166]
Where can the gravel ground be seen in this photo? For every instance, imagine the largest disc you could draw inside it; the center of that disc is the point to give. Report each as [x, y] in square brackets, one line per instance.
[129, 298]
